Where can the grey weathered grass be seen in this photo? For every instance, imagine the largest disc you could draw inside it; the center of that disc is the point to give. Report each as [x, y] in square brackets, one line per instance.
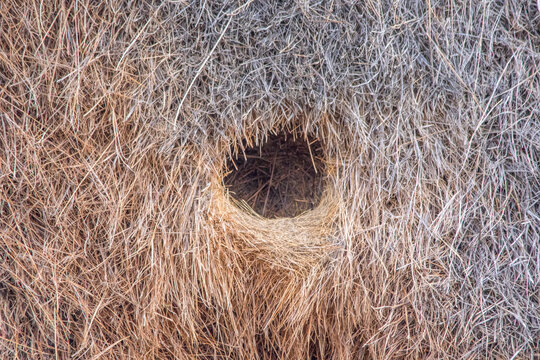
[117, 239]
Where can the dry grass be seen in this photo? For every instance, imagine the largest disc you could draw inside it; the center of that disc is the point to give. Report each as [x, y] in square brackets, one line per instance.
[118, 239]
[281, 177]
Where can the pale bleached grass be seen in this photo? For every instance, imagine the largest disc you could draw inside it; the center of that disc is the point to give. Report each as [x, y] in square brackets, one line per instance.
[117, 239]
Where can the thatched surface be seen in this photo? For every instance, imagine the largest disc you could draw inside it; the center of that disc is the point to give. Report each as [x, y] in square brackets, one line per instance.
[117, 239]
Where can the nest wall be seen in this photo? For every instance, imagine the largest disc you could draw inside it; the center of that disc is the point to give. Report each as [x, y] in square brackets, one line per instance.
[118, 238]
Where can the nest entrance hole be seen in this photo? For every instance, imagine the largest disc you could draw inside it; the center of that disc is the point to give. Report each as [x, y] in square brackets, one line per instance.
[282, 177]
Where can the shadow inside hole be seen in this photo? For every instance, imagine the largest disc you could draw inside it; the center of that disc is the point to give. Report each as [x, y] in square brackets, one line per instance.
[281, 178]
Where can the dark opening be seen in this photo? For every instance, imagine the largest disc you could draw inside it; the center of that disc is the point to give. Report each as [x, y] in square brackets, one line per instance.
[281, 178]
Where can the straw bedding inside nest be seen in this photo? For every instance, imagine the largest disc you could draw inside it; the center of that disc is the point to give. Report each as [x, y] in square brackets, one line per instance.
[283, 177]
[120, 235]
